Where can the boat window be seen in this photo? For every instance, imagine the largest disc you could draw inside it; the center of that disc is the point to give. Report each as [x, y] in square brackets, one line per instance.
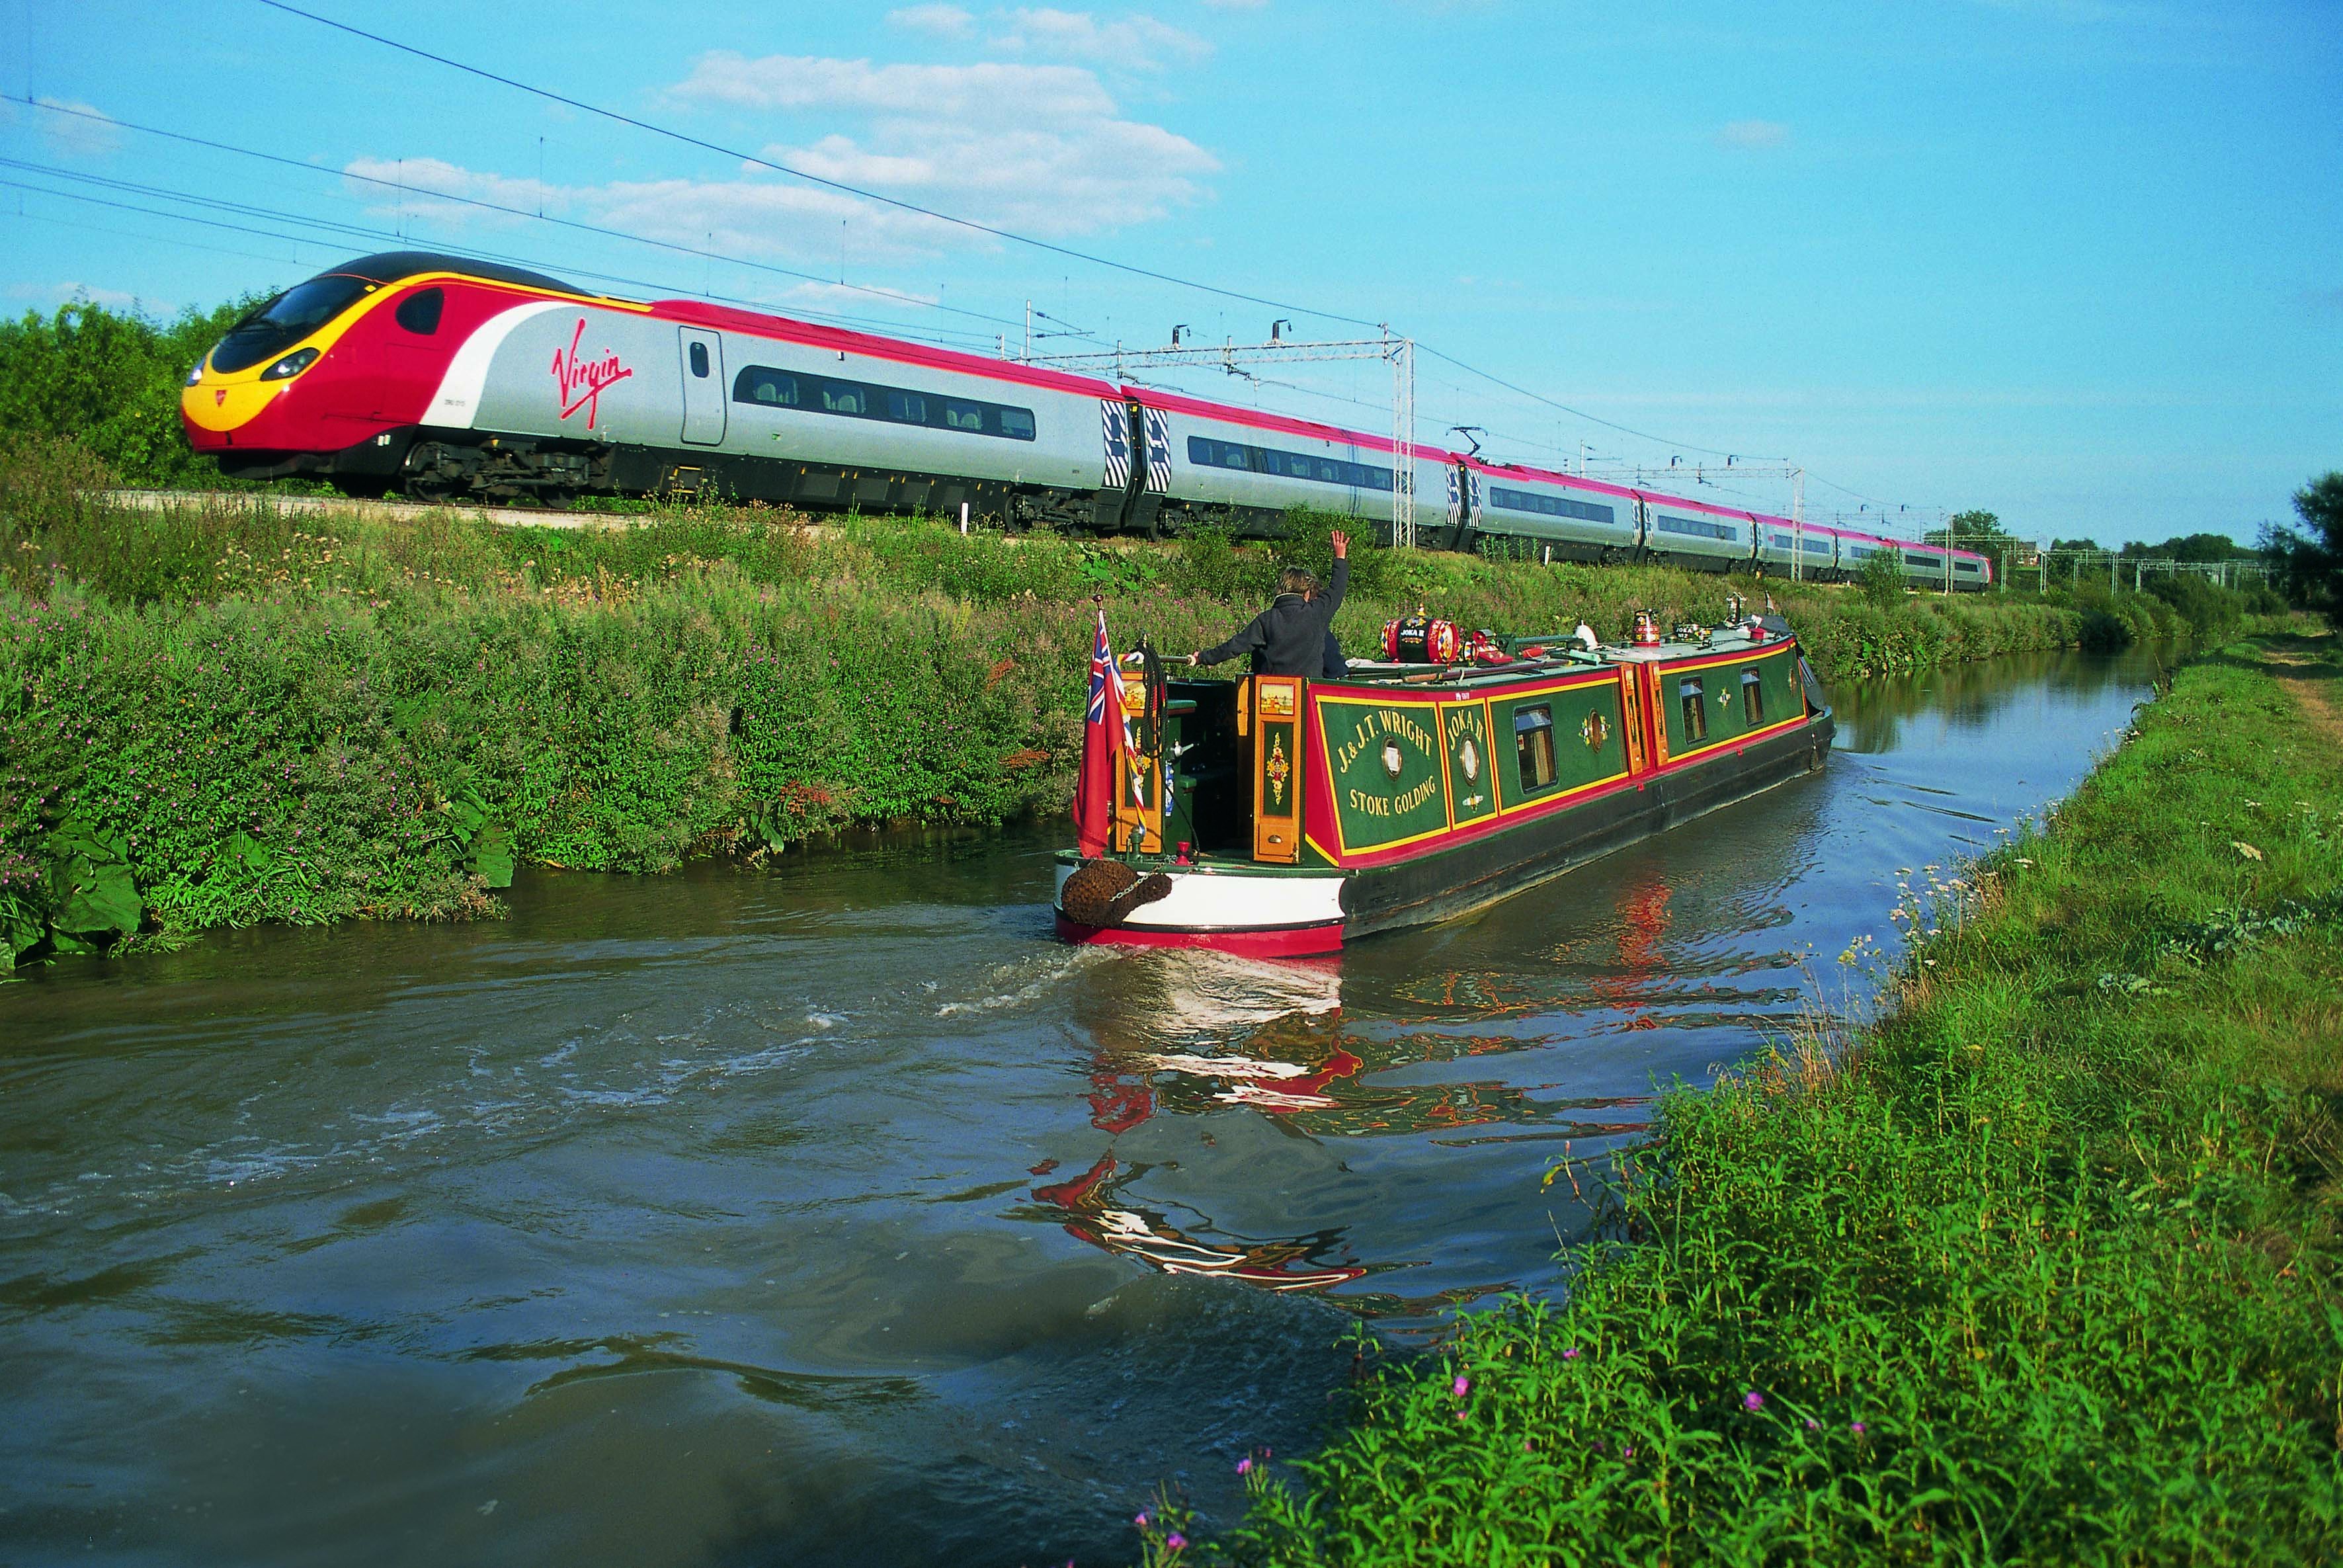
[1753, 699]
[1695, 711]
[419, 311]
[699, 360]
[1533, 745]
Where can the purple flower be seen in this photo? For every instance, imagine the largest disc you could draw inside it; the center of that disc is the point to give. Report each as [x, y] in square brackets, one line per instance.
[1753, 1401]
[1813, 1425]
[1175, 1540]
[1856, 1428]
[1244, 1466]
[1140, 1519]
[1464, 1385]
[1570, 1354]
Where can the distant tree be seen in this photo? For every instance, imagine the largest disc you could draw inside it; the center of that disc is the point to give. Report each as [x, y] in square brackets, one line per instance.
[1882, 578]
[2310, 559]
[2059, 546]
[2199, 548]
[1973, 528]
[110, 381]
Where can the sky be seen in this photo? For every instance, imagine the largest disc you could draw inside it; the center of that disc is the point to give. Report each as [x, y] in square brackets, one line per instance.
[2078, 263]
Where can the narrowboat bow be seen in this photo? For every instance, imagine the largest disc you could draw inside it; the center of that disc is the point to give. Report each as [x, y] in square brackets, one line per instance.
[1277, 816]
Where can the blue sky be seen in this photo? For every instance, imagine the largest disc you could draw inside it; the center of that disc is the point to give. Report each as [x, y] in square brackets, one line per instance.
[2078, 262]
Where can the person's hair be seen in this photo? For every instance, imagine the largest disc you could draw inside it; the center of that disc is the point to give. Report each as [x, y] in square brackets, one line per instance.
[1296, 579]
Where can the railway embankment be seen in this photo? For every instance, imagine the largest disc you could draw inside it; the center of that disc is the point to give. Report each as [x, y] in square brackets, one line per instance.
[230, 712]
[2038, 1265]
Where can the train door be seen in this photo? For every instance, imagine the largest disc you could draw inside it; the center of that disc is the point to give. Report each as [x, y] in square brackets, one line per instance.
[1138, 473]
[703, 387]
[1464, 506]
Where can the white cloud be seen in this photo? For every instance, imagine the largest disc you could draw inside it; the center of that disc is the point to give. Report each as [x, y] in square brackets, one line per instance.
[70, 127]
[943, 21]
[1133, 43]
[1754, 136]
[950, 92]
[54, 293]
[408, 186]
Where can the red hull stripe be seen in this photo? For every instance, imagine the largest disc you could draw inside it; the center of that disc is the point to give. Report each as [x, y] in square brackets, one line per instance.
[1292, 943]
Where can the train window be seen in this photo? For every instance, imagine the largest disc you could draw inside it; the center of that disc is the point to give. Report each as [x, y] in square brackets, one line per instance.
[1753, 699]
[897, 404]
[1212, 453]
[775, 388]
[699, 360]
[1533, 745]
[419, 311]
[285, 320]
[1552, 505]
[1689, 694]
[1698, 526]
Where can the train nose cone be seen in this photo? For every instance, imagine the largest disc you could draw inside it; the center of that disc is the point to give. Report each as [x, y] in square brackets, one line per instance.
[217, 408]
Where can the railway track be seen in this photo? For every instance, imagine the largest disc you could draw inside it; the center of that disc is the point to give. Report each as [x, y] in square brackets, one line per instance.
[502, 516]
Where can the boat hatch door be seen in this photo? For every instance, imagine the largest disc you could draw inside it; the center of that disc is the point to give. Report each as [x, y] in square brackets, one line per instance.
[703, 387]
[1276, 703]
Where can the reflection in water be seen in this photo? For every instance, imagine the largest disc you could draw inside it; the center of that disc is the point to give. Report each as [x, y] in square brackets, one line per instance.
[838, 1214]
[1101, 1218]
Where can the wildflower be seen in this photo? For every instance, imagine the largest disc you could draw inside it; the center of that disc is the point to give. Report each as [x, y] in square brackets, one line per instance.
[1570, 1354]
[1244, 1466]
[1813, 1425]
[1856, 1428]
[1464, 1385]
[1753, 1401]
[1140, 1519]
[1175, 1540]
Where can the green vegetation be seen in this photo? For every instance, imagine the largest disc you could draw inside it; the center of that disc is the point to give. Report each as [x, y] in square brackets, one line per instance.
[2040, 1267]
[234, 712]
[110, 381]
[2310, 559]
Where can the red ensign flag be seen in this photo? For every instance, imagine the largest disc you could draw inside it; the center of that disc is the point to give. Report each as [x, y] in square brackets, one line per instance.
[1101, 738]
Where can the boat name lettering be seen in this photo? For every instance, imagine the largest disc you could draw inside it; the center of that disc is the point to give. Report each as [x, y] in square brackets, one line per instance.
[1398, 805]
[1381, 721]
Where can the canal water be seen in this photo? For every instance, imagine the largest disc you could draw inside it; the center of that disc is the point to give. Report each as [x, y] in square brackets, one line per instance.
[838, 1214]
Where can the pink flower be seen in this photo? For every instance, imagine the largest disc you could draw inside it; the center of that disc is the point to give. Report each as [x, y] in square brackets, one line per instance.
[1244, 1466]
[1753, 1401]
[1856, 1428]
[1140, 1519]
[1175, 1540]
[1463, 1386]
[1570, 1354]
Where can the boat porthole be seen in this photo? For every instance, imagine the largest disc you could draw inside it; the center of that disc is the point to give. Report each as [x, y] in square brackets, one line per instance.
[1392, 758]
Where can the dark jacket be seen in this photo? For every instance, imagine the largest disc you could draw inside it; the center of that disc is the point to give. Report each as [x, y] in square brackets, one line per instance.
[1289, 637]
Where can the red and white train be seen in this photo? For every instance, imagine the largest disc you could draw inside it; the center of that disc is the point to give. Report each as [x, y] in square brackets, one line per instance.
[444, 377]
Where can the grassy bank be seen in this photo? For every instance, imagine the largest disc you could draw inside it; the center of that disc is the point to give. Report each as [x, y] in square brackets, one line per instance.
[2039, 1268]
[227, 713]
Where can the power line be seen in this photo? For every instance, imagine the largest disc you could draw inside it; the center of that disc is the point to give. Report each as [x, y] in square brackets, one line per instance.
[499, 207]
[733, 153]
[376, 235]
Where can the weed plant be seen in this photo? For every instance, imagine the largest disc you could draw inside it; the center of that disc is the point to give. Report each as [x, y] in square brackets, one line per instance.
[2040, 1267]
[266, 714]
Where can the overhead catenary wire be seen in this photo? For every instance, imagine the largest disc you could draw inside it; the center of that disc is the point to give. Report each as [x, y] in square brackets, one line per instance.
[994, 231]
[686, 139]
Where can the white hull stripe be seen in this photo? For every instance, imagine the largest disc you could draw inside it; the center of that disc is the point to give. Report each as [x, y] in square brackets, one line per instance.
[1224, 903]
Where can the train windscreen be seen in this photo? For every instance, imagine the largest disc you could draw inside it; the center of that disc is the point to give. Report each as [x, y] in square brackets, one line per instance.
[285, 320]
